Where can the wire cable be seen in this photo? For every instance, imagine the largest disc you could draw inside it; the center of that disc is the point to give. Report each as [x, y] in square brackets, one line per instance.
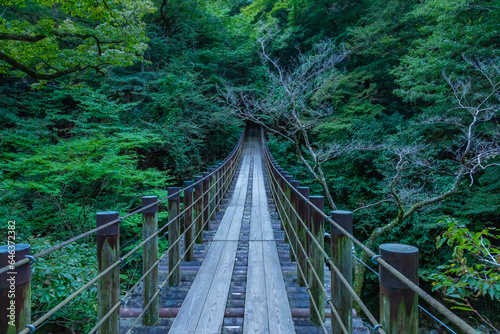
[433, 302]
[338, 273]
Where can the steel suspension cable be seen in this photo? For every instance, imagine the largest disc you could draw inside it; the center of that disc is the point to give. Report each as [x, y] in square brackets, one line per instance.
[316, 276]
[139, 317]
[325, 255]
[228, 180]
[334, 310]
[69, 298]
[49, 250]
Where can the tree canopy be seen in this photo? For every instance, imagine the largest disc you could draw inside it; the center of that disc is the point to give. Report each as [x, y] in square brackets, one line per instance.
[388, 108]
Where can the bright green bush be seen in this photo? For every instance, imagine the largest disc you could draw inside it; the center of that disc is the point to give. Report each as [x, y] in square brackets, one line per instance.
[59, 274]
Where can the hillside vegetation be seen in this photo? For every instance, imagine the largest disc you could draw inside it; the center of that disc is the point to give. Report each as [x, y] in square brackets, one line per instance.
[388, 108]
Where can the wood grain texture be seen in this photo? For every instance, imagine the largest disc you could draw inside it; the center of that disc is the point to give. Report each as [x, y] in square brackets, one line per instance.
[256, 318]
[266, 304]
[203, 309]
[212, 315]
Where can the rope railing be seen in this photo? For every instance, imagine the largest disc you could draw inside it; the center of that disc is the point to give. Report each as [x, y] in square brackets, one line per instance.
[310, 267]
[419, 306]
[199, 209]
[283, 191]
[145, 308]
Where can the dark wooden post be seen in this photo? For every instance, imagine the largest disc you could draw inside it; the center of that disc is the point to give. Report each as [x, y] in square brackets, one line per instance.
[206, 199]
[174, 250]
[188, 220]
[216, 188]
[227, 177]
[279, 197]
[149, 257]
[341, 254]
[398, 303]
[317, 261]
[275, 181]
[287, 206]
[293, 219]
[302, 237]
[15, 288]
[212, 200]
[198, 208]
[219, 190]
[108, 287]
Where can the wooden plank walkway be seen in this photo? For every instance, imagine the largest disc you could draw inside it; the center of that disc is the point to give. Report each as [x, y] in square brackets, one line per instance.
[266, 307]
[203, 309]
[241, 280]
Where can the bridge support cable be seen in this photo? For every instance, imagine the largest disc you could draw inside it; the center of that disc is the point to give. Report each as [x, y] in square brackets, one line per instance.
[312, 270]
[419, 306]
[325, 255]
[466, 328]
[225, 186]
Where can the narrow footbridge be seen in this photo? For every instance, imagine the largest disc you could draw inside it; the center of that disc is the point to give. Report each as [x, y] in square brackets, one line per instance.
[247, 253]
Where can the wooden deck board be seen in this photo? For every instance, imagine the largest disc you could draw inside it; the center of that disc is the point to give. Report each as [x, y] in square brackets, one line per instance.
[212, 315]
[277, 301]
[265, 298]
[204, 306]
[191, 310]
[255, 319]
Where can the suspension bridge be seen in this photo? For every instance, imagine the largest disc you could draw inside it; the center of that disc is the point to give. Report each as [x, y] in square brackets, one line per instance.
[246, 254]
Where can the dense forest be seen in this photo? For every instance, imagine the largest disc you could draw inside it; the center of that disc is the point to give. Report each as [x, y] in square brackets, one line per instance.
[388, 108]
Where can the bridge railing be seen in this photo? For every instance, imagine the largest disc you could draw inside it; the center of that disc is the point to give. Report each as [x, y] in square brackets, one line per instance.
[201, 201]
[302, 220]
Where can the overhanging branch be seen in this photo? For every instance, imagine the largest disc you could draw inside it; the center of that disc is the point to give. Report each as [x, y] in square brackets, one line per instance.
[35, 75]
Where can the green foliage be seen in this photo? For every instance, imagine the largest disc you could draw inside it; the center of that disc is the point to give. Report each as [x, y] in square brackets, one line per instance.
[472, 273]
[61, 273]
[130, 105]
[449, 33]
[409, 63]
[475, 267]
[84, 144]
[48, 39]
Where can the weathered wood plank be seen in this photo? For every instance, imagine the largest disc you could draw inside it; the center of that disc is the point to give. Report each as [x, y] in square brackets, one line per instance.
[265, 298]
[256, 318]
[280, 316]
[187, 318]
[212, 315]
[203, 309]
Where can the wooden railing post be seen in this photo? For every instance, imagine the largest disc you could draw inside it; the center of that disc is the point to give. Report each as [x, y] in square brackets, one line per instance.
[212, 205]
[206, 200]
[174, 228]
[398, 303]
[188, 220]
[15, 287]
[293, 219]
[317, 262]
[275, 181]
[108, 287]
[198, 208]
[225, 177]
[302, 237]
[220, 185]
[279, 197]
[149, 257]
[287, 207]
[217, 187]
[341, 254]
